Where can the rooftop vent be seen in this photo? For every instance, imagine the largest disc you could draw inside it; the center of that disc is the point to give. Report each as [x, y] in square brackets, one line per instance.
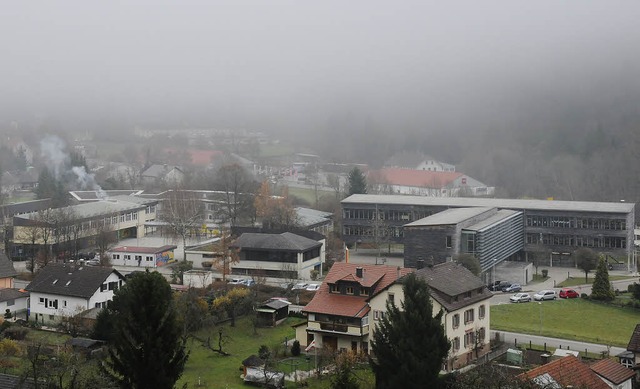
[359, 271]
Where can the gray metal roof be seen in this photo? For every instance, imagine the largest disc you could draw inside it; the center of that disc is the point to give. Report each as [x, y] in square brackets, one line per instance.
[450, 216]
[551, 205]
[310, 217]
[114, 205]
[501, 215]
[278, 242]
[7, 294]
[6, 267]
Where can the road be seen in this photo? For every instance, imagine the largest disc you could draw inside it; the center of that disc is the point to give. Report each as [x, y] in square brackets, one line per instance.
[511, 337]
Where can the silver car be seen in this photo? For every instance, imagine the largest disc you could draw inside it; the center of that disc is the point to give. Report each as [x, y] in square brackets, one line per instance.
[546, 294]
[520, 298]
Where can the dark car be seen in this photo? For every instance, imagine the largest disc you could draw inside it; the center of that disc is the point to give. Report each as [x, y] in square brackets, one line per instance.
[512, 288]
[568, 293]
[500, 286]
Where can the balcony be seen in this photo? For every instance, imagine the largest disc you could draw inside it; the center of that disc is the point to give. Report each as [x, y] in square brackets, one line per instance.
[345, 329]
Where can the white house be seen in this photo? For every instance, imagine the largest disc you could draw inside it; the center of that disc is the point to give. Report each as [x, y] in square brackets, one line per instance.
[65, 290]
[147, 257]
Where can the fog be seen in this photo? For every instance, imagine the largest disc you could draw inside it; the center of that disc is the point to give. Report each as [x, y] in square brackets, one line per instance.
[301, 67]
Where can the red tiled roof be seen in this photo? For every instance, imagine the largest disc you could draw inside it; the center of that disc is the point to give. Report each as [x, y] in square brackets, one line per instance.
[612, 371]
[415, 178]
[377, 276]
[568, 371]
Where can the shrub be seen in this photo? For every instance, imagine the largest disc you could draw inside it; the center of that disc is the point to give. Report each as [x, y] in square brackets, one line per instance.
[545, 273]
[206, 264]
[584, 296]
[635, 290]
[264, 353]
[16, 333]
[4, 326]
[295, 348]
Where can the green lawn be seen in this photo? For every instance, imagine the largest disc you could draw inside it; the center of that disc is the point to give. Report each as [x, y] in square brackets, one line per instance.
[308, 196]
[574, 319]
[209, 369]
[574, 281]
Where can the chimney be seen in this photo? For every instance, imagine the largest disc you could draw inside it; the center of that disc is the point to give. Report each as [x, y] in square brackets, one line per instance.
[420, 264]
[359, 272]
[398, 273]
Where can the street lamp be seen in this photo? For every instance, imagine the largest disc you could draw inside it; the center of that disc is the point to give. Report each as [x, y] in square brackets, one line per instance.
[540, 304]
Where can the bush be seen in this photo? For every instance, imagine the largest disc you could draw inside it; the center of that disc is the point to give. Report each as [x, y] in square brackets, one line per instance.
[584, 296]
[16, 333]
[545, 273]
[635, 290]
[4, 326]
[207, 264]
[264, 353]
[295, 348]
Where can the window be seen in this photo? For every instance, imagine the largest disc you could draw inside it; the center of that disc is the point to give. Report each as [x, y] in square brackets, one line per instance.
[349, 289]
[449, 242]
[333, 288]
[64, 302]
[481, 335]
[468, 316]
[41, 301]
[375, 315]
[455, 343]
[138, 258]
[364, 291]
[481, 312]
[103, 287]
[469, 339]
[392, 298]
[149, 258]
[116, 256]
[127, 256]
[455, 321]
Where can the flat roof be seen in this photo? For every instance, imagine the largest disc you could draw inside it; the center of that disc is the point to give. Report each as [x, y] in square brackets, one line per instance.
[450, 216]
[542, 205]
[102, 207]
[501, 215]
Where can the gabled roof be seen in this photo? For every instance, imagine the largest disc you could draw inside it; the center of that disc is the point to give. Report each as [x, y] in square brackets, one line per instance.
[309, 217]
[634, 342]
[159, 171]
[6, 267]
[612, 371]
[279, 242]
[378, 277]
[567, 371]
[7, 294]
[70, 280]
[450, 279]
[414, 178]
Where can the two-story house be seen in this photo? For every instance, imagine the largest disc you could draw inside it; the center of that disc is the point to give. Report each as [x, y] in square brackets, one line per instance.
[64, 290]
[12, 299]
[339, 315]
[345, 311]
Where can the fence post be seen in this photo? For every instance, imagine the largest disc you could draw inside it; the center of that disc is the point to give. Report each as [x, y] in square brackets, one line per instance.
[515, 343]
[545, 347]
[530, 346]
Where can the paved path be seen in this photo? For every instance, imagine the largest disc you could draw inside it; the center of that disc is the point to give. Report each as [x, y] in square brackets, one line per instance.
[511, 337]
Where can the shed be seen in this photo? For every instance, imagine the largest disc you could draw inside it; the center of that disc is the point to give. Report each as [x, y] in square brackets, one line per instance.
[272, 312]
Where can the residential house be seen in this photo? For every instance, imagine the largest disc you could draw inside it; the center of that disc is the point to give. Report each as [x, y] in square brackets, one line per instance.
[7, 272]
[162, 175]
[339, 315]
[345, 311]
[146, 257]
[614, 374]
[465, 301]
[61, 291]
[631, 357]
[285, 255]
[427, 183]
[418, 161]
[564, 373]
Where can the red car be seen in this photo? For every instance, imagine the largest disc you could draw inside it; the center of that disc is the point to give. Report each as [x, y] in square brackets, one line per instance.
[567, 293]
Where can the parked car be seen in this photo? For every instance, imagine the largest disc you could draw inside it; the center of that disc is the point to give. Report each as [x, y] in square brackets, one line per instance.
[248, 282]
[313, 287]
[520, 298]
[546, 294]
[502, 284]
[568, 293]
[512, 288]
[300, 286]
[236, 281]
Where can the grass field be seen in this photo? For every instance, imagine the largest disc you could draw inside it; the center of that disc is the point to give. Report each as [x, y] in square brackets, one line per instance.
[209, 369]
[574, 319]
[574, 281]
[308, 196]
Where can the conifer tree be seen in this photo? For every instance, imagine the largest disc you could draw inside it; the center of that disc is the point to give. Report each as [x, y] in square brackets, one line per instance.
[146, 349]
[357, 182]
[601, 289]
[409, 344]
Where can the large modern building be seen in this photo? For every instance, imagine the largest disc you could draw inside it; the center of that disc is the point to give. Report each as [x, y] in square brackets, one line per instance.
[435, 229]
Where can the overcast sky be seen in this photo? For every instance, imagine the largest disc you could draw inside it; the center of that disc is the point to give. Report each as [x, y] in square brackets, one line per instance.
[297, 64]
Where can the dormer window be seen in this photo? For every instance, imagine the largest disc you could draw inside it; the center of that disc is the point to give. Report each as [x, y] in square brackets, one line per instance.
[333, 288]
[364, 291]
[349, 289]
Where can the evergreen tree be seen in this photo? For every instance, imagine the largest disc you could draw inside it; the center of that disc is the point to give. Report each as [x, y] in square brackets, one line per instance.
[343, 375]
[601, 289]
[357, 182]
[46, 184]
[146, 349]
[409, 344]
[470, 262]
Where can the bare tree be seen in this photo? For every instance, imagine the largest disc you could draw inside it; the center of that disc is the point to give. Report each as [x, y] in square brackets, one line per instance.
[105, 238]
[239, 188]
[183, 213]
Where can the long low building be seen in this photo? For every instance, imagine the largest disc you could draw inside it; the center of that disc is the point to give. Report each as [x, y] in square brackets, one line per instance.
[438, 228]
